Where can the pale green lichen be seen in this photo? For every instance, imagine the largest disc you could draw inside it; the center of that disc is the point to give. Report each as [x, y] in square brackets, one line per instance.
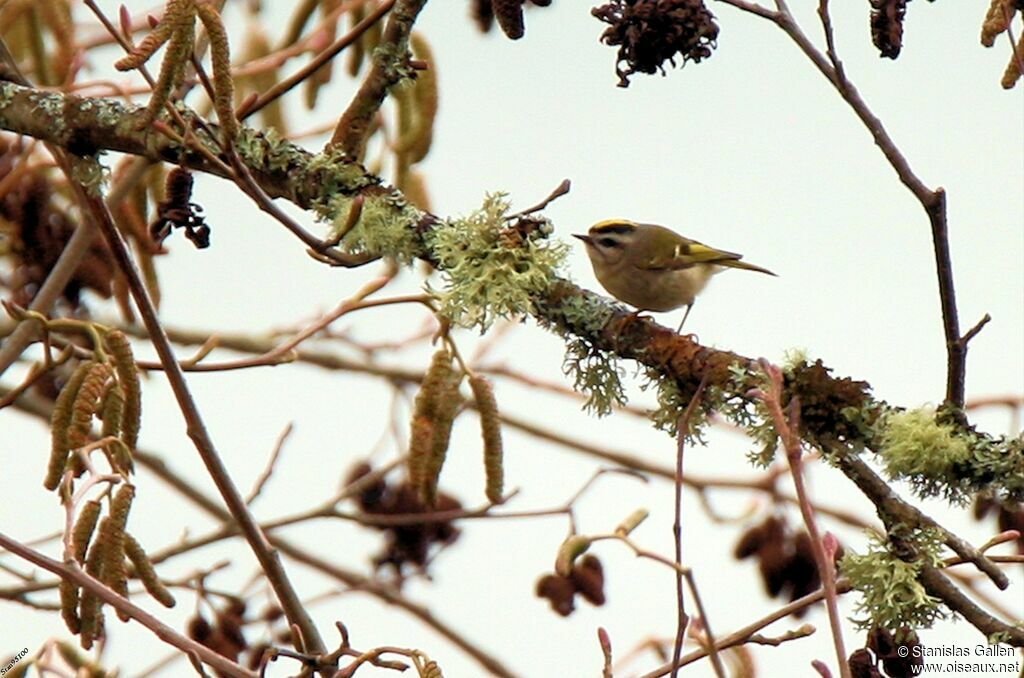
[891, 595]
[109, 113]
[384, 227]
[334, 174]
[672, 404]
[597, 374]
[942, 459]
[88, 172]
[6, 94]
[266, 149]
[576, 314]
[490, 272]
[750, 414]
[793, 358]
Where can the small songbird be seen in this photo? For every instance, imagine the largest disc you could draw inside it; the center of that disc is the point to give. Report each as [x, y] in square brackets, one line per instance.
[652, 267]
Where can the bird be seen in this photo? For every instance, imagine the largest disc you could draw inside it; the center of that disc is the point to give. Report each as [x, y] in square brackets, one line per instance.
[653, 268]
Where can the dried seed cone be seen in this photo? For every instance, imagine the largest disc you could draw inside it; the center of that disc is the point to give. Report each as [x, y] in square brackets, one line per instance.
[490, 429]
[60, 423]
[509, 14]
[1012, 74]
[997, 20]
[128, 379]
[146, 573]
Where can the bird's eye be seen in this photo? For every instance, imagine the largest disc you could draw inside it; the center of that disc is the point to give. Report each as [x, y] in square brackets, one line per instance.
[608, 242]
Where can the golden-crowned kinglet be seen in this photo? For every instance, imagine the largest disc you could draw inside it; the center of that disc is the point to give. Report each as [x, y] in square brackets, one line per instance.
[654, 268]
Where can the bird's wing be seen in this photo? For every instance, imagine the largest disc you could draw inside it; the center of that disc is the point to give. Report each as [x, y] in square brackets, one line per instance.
[687, 254]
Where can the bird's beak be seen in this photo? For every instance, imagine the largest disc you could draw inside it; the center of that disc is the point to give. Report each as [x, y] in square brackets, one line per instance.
[585, 238]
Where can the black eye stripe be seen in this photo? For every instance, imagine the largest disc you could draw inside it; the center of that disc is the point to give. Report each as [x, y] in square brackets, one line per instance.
[608, 242]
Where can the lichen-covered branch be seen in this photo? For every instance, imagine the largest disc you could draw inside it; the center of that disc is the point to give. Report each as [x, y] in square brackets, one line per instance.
[390, 65]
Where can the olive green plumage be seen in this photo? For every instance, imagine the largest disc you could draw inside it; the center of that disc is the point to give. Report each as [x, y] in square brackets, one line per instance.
[652, 267]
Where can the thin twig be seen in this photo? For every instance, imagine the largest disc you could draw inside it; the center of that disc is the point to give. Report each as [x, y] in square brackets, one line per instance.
[682, 619]
[268, 470]
[316, 62]
[788, 428]
[197, 431]
[560, 190]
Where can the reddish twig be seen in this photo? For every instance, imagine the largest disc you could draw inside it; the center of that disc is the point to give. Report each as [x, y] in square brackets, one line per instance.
[788, 428]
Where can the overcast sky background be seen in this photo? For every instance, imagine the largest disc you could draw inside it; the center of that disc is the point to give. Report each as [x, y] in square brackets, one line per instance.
[751, 151]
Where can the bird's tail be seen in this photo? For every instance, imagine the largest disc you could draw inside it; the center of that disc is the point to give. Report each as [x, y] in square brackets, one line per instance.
[736, 263]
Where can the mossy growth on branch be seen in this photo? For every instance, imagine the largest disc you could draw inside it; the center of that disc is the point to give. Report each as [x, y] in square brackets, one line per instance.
[891, 595]
[941, 459]
[750, 414]
[384, 227]
[492, 269]
[597, 374]
[672, 404]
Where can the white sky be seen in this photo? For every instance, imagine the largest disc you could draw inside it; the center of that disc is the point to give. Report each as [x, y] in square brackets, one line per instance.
[750, 151]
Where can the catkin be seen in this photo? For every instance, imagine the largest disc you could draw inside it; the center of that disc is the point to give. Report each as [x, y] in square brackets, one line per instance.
[426, 96]
[87, 404]
[112, 530]
[446, 405]
[141, 53]
[118, 454]
[72, 657]
[424, 416]
[146, 573]
[128, 379]
[69, 605]
[89, 609]
[172, 68]
[490, 429]
[84, 527]
[60, 423]
[356, 51]
[414, 188]
[223, 84]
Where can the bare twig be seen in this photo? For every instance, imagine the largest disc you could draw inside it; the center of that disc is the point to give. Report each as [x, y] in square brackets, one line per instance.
[932, 201]
[682, 620]
[268, 559]
[788, 428]
[560, 190]
[271, 463]
[286, 85]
